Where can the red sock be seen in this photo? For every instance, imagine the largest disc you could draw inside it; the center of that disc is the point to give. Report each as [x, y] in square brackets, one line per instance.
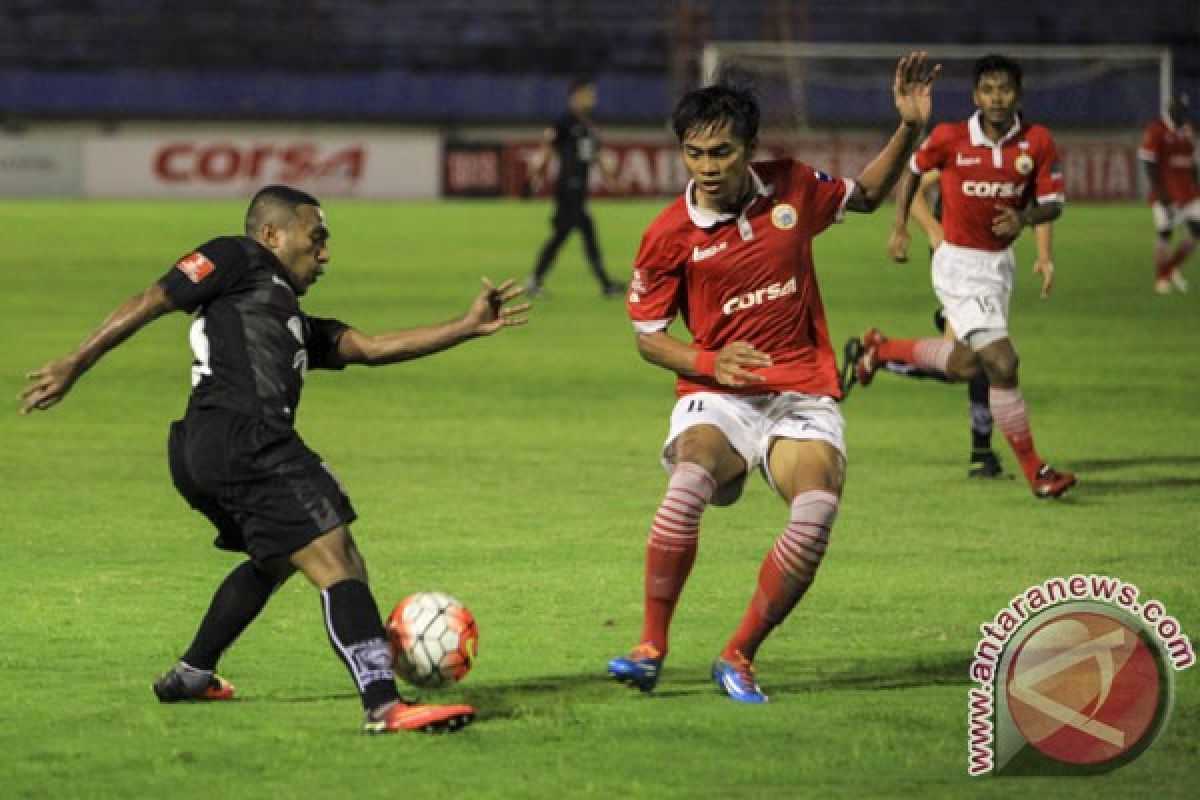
[1162, 260]
[1179, 256]
[930, 355]
[671, 551]
[787, 571]
[1008, 409]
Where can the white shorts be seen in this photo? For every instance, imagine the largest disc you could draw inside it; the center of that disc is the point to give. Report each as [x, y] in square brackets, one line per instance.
[752, 422]
[1168, 218]
[974, 288]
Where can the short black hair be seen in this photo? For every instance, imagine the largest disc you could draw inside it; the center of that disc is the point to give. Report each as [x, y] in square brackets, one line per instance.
[710, 107]
[579, 82]
[271, 203]
[994, 62]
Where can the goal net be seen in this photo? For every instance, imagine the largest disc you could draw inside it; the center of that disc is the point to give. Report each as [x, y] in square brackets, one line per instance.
[806, 86]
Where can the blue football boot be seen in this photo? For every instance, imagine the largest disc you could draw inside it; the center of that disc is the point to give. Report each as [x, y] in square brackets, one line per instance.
[640, 668]
[735, 678]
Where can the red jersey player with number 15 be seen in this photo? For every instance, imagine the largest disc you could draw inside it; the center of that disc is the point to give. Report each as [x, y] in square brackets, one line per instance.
[758, 384]
[998, 175]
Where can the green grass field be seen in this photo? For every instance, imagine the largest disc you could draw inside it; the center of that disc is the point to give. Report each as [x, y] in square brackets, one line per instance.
[520, 473]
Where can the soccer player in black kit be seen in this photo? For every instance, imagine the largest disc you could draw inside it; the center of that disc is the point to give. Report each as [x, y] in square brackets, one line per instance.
[236, 457]
[573, 140]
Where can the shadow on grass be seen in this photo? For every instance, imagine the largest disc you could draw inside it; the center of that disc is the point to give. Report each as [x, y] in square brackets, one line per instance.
[534, 696]
[1103, 464]
[1186, 464]
[273, 697]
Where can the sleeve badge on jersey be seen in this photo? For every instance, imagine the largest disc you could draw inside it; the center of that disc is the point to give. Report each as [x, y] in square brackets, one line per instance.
[196, 266]
[784, 217]
[823, 177]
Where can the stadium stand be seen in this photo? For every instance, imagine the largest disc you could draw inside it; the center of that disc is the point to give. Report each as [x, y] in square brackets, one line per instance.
[459, 60]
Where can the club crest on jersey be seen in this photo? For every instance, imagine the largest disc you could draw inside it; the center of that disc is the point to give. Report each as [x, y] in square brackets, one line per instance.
[197, 267]
[784, 217]
[1023, 163]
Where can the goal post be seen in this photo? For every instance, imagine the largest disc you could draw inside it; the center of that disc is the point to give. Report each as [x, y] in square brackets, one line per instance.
[846, 85]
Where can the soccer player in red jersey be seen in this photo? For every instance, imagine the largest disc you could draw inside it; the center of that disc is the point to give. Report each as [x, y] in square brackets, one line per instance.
[999, 174]
[1168, 153]
[984, 463]
[758, 384]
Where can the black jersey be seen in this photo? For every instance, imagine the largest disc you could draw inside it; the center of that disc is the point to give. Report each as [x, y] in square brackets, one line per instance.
[252, 343]
[576, 144]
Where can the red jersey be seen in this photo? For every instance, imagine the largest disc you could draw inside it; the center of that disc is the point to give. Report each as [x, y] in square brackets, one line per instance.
[746, 278]
[1173, 150]
[978, 174]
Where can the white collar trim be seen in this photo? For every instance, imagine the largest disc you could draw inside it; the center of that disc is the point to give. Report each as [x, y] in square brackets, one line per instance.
[980, 139]
[707, 218]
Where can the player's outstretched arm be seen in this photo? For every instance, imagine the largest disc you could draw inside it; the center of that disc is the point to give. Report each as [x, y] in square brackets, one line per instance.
[48, 385]
[491, 311]
[732, 365]
[912, 90]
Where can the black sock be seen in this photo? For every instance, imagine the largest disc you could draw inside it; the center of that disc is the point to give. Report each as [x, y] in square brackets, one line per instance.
[357, 636]
[981, 413]
[237, 601]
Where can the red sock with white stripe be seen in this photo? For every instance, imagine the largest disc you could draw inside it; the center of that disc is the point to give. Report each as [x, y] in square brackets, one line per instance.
[787, 571]
[671, 550]
[1008, 410]
[930, 355]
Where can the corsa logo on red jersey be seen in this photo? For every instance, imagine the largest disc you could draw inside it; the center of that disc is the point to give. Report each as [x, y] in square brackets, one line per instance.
[758, 297]
[992, 189]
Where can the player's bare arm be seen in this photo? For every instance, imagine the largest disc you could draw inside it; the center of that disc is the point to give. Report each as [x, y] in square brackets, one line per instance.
[540, 163]
[922, 210]
[732, 365]
[914, 204]
[1044, 263]
[1154, 179]
[51, 383]
[1009, 221]
[912, 90]
[898, 239]
[491, 311]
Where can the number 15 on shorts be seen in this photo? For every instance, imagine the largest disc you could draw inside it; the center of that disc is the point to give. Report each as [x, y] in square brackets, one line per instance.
[988, 305]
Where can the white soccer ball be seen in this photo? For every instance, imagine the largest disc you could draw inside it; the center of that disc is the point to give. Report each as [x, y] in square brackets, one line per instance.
[434, 639]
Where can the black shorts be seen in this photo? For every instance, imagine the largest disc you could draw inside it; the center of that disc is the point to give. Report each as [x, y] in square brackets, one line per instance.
[569, 212]
[267, 494]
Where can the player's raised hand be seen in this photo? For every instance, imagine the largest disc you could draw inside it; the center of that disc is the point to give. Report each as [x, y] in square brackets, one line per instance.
[48, 385]
[491, 310]
[735, 362]
[912, 88]
[1045, 268]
